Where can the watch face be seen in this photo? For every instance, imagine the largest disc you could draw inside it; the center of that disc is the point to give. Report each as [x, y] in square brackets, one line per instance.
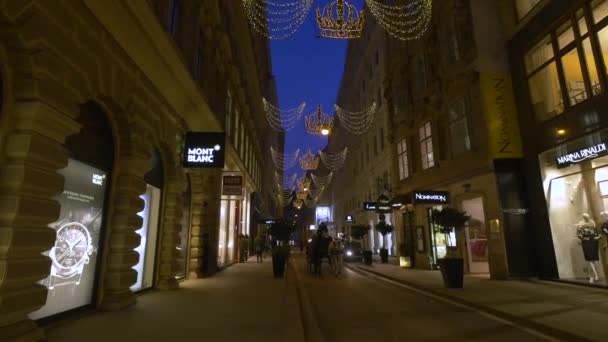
[71, 245]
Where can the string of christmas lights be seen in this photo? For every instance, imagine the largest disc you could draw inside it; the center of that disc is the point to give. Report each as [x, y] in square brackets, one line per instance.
[276, 20]
[356, 122]
[310, 203]
[309, 161]
[316, 193]
[404, 22]
[333, 161]
[288, 182]
[303, 183]
[282, 120]
[284, 161]
[321, 181]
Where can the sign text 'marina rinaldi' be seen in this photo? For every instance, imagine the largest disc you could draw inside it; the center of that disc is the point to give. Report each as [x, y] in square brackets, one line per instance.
[583, 154]
[204, 150]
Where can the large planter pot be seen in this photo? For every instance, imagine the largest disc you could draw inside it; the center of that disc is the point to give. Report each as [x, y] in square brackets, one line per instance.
[278, 264]
[367, 257]
[384, 255]
[452, 270]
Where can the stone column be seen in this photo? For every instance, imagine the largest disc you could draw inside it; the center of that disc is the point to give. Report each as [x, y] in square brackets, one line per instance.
[171, 226]
[32, 154]
[206, 197]
[119, 275]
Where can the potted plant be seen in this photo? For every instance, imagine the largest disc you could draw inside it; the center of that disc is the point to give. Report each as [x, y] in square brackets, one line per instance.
[243, 247]
[384, 228]
[358, 232]
[449, 221]
[280, 231]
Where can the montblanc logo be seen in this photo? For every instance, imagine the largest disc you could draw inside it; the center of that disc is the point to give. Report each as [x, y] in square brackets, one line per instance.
[202, 155]
[98, 179]
[582, 154]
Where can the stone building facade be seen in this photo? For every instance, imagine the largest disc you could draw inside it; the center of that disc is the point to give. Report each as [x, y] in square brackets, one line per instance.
[113, 87]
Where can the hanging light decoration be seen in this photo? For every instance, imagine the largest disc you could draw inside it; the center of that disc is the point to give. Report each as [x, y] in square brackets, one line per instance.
[309, 161]
[287, 183]
[333, 161]
[318, 123]
[282, 120]
[316, 193]
[284, 161]
[346, 22]
[298, 203]
[356, 122]
[310, 203]
[301, 195]
[276, 20]
[405, 22]
[321, 181]
[304, 183]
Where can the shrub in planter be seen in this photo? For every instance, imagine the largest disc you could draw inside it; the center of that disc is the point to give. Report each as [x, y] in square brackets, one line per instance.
[449, 221]
[358, 232]
[384, 228]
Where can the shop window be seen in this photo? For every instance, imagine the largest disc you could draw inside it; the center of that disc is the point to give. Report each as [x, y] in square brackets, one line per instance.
[426, 146]
[596, 88]
[523, 7]
[79, 229]
[545, 93]
[539, 54]
[565, 35]
[404, 170]
[458, 114]
[582, 24]
[575, 183]
[600, 10]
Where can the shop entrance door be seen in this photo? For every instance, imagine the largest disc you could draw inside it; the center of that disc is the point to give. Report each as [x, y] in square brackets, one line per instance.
[476, 236]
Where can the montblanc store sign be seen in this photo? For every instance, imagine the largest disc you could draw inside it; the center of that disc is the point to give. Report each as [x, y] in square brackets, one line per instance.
[204, 150]
[431, 197]
[583, 154]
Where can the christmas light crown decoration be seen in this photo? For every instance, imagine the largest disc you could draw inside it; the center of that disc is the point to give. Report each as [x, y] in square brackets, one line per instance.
[301, 195]
[276, 20]
[408, 21]
[318, 123]
[304, 183]
[346, 22]
[309, 161]
[298, 204]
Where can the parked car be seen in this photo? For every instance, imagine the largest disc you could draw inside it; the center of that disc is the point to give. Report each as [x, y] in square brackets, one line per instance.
[353, 251]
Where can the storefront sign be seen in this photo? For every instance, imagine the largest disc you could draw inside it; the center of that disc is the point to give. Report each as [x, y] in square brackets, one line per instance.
[349, 218]
[369, 206]
[204, 150]
[383, 204]
[322, 214]
[499, 106]
[74, 254]
[232, 185]
[431, 197]
[587, 153]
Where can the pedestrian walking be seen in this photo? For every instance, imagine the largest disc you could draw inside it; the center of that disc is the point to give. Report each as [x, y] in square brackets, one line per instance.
[336, 252]
[259, 248]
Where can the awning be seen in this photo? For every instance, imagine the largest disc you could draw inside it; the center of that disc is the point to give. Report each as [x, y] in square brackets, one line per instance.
[401, 200]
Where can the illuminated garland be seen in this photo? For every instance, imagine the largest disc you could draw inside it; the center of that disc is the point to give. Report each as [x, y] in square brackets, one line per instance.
[287, 182]
[309, 161]
[284, 161]
[404, 22]
[321, 181]
[310, 203]
[304, 183]
[276, 20]
[356, 122]
[333, 161]
[315, 193]
[282, 120]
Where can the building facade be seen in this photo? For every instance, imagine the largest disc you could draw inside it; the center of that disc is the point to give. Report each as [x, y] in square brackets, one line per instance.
[367, 171]
[95, 103]
[455, 140]
[558, 56]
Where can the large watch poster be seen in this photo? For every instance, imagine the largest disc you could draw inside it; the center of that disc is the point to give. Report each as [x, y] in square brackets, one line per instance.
[75, 252]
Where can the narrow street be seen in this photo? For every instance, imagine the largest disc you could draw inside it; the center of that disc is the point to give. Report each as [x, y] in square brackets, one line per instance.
[357, 307]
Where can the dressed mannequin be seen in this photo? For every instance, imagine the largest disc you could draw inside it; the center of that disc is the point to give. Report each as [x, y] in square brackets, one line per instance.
[586, 231]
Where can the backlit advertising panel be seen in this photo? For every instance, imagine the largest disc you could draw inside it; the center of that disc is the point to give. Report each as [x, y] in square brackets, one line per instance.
[75, 252]
[322, 214]
[148, 235]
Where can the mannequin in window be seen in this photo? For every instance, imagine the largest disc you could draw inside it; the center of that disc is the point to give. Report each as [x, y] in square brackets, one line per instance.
[588, 234]
[604, 216]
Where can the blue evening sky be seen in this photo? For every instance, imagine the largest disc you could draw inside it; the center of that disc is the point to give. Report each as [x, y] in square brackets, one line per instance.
[308, 69]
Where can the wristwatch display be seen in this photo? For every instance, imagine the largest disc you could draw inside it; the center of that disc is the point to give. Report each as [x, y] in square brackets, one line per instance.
[71, 252]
